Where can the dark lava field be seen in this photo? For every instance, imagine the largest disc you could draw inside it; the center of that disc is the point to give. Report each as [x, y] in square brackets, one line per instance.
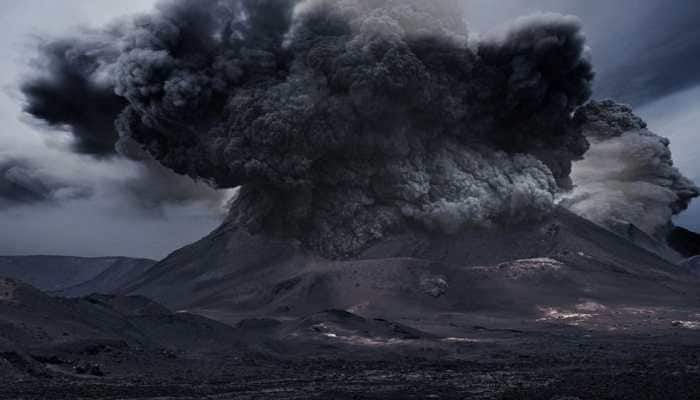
[569, 364]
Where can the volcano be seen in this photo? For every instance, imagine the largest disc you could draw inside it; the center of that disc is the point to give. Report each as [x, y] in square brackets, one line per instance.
[419, 212]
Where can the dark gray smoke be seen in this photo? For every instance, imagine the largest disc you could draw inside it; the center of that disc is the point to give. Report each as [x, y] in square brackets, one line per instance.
[627, 177]
[21, 182]
[346, 120]
[156, 187]
[72, 89]
[72, 93]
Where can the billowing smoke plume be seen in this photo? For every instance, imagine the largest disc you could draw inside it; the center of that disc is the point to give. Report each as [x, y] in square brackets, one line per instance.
[72, 89]
[346, 120]
[74, 92]
[627, 176]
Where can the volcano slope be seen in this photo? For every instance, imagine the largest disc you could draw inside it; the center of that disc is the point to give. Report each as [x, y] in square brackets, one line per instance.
[563, 262]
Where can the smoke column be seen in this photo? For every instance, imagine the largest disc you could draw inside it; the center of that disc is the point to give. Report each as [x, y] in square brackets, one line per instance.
[627, 176]
[342, 121]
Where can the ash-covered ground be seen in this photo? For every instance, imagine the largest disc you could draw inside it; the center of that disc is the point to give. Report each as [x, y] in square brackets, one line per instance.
[547, 360]
[572, 312]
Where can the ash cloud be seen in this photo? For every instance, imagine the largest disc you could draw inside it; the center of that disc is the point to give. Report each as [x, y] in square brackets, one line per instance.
[628, 176]
[644, 50]
[343, 121]
[72, 92]
[72, 89]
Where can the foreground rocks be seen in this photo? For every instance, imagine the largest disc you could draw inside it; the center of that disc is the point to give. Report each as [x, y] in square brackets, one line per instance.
[565, 365]
[137, 349]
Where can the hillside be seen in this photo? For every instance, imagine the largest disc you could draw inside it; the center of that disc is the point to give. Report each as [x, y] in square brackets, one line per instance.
[120, 273]
[558, 263]
[41, 335]
[55, 273]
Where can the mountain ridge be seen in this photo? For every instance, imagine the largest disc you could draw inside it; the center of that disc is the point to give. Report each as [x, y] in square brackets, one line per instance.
[55, 273]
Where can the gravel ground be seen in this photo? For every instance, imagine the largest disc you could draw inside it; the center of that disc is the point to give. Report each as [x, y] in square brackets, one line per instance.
[562, 366]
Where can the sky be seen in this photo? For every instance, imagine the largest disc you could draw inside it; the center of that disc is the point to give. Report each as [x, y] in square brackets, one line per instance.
[644, 52]
[95, 207]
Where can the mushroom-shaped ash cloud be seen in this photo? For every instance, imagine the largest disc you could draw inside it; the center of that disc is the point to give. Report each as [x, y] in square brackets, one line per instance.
[343, 121]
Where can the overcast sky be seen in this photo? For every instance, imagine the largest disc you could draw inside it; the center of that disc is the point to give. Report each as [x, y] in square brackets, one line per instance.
[107, 219]
[646, 53]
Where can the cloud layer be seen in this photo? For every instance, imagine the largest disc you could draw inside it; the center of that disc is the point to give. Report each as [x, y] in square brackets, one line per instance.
[21, 182]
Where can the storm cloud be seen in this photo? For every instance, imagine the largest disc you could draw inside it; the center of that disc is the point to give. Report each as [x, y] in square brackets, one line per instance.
[345, 121]
[643, 50]
[21, 183]
[69, 94]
